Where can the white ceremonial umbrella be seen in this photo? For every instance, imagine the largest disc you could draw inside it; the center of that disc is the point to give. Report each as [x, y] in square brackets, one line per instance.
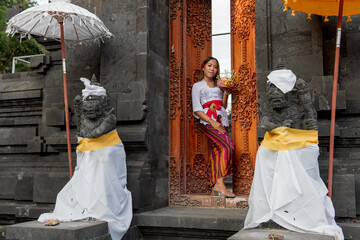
[59, 20]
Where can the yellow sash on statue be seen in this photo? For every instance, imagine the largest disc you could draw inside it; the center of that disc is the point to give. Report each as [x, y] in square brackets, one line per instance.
[107, 140]
[284, 138]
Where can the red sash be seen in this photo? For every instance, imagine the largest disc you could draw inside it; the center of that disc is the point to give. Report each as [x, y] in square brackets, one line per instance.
[213, 106]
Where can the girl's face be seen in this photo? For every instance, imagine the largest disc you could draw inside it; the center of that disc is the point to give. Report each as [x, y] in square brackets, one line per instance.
[210, 69]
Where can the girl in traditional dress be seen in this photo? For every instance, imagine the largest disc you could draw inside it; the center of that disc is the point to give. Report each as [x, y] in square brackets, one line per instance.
[209, 104]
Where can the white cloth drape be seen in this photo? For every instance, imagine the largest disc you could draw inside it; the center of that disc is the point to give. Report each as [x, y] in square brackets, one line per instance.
[97, 190]
[287, 188]
[283, 79]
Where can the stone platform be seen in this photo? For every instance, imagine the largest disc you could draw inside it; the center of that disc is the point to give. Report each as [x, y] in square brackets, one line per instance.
[190, 223]
[171, 223]
[256, 234]
[89, 230]
[209, 223]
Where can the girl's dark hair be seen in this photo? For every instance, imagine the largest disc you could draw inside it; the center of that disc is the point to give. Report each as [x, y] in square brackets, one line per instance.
[208, 59]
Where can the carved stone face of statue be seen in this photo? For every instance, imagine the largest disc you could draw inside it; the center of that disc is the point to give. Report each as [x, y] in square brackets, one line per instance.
[276, 97]
[92, 107]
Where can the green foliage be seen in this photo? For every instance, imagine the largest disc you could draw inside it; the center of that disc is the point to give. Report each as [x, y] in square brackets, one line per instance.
[23, 3]
[11, 46]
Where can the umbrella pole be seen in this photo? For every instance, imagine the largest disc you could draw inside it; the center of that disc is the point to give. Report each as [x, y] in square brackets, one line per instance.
[66, 98]
[333, 102]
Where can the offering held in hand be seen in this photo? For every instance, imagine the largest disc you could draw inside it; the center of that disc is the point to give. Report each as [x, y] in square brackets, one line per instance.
[227, 83]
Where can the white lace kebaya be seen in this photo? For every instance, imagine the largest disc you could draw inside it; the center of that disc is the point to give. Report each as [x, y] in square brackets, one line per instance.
[201, 94]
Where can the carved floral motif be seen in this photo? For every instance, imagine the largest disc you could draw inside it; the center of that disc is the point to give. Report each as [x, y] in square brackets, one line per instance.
[219, 201]
[243, 18]
[175, 197]
[197, 128]
[245, 107]
[174, 7]
[174, 79]
[189, 112]
[242, 205]
[243, 174]
[197, 176]
[199, 21]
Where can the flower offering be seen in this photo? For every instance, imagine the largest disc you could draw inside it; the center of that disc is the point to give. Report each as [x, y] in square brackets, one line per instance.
[226, 83]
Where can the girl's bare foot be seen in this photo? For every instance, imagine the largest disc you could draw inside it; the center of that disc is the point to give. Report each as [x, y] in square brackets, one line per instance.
[221, 188]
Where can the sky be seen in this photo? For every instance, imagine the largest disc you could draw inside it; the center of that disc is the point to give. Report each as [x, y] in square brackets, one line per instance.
[221, 24]
[40, 2]
[221, 44]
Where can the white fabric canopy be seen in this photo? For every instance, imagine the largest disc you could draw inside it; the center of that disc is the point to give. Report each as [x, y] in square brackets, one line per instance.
[287, 188]
[97, 190]
[79, 23]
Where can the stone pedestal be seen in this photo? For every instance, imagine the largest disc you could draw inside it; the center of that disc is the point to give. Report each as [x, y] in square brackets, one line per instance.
[34, 230]
[255, 234]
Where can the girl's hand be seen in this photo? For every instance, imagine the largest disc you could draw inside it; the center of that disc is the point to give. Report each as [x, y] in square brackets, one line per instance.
[218, 126]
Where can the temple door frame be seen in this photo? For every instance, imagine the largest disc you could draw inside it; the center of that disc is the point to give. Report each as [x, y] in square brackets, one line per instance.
[190, 43]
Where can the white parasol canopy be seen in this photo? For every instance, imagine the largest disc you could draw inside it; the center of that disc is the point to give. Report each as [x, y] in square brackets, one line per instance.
[79, 23]
[59, 20]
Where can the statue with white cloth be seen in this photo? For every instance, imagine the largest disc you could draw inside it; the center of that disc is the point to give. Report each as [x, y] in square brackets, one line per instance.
[98, 188]
[287, 187]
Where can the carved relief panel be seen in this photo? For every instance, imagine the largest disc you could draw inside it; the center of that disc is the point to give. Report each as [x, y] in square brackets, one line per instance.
[190, 44]
[244, 112]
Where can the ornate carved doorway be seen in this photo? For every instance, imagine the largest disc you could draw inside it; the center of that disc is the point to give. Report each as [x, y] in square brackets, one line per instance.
[190, 43]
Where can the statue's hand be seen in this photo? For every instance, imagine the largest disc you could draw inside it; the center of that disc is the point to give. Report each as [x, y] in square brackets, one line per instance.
[300, 84]
[83, 132]
[287, 123]
[310, 124]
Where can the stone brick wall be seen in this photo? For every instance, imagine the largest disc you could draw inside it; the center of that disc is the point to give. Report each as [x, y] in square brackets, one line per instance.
[346, 157]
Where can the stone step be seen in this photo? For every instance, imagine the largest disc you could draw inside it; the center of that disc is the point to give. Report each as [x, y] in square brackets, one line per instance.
[171, 223]
[350, 229]
[20, 75]
[219, 223]
[79, 230]
[258, 233]
[2, 232]
[21, 85]
[24, 209]
[190, 223]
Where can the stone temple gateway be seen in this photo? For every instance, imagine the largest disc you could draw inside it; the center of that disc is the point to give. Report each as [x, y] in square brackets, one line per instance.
[148, 69]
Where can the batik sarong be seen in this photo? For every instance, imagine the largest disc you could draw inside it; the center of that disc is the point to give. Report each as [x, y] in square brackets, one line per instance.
[287, 187]
[98, 187]
[222, 149]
